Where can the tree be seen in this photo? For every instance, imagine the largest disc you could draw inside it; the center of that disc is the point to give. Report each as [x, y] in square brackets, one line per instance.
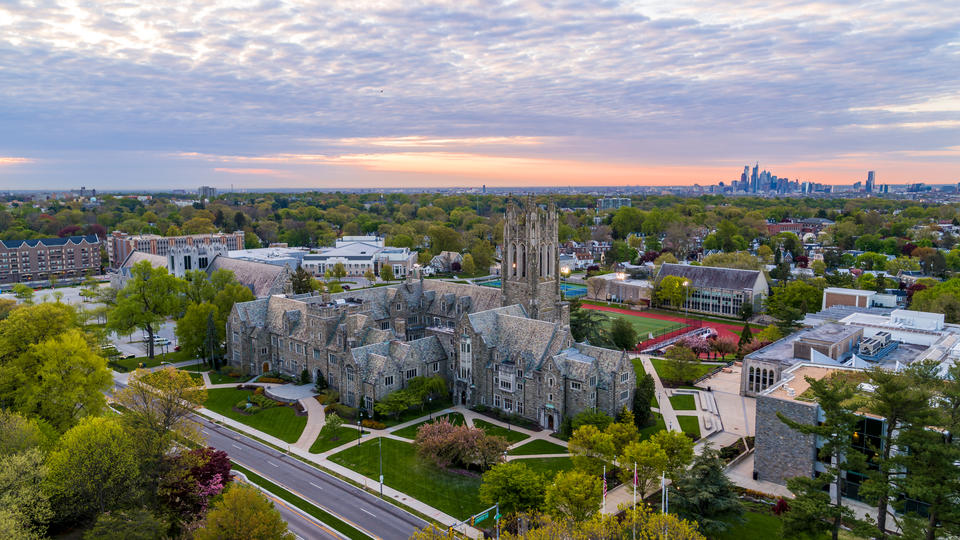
[746, 337]
[467, 266]
[647, 525]
[818, 267]
[386, 273]
[191, 330]
[573, 496]
[24, 504]
[642, 397]
[135, 524]
[197, 287]
[623, 334]
[19, 433]
[594, 417]
[811, 502]
[672, 290]
[93, 469]
[596, 288]
[902, 399]
[586, 325]
[626, 220]
[331, 428]
[395, 403]
[591, 449]
[679, 365]
[619, 252]
[369, 276]
[301, 281]
[244, 513]
[704, 494]
[770, 334]
[722, 347]
[339, 271]
[48, 367]
[191, 480]
[738, 259]
[513, 485]
[150, 296]
[678, 449]
[446, 444]
[623, 431]
[650, 461]
[159, 405]
[834, 396]
[942, 297]
[23, 293]
[790, 302]
[443, 238]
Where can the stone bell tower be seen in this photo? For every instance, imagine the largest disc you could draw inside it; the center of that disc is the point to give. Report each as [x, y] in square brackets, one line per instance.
[530, 272]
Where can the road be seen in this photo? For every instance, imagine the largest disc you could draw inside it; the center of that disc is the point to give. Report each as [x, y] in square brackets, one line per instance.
[299, 522]
[359, 508]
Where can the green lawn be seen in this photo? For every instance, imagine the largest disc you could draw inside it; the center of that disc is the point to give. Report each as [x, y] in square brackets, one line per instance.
[281, 422]
[512, 436]
[131, 364]
[701, 369]
[658, 425]
[199, 367]
[683, 402]
[537, 446]
[548, 467]
[456, 494]
[410, 432]
[414, 413]
[218, 378]
[643, 325]
[690, 424]
[760, 522]
[323, 443]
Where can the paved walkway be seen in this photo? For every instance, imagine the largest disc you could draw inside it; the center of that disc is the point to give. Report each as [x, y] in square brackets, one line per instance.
[665, 408]
[316, 419]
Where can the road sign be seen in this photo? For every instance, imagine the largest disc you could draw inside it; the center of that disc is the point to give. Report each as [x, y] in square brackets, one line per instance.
[480, 517]
[497, 517]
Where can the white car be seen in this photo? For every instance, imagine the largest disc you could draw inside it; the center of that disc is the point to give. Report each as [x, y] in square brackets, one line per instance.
[161, 341]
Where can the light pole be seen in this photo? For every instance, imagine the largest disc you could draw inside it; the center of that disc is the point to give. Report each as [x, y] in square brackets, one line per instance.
[380, 450]
[359, 426]
[686, 310]
[429, 402]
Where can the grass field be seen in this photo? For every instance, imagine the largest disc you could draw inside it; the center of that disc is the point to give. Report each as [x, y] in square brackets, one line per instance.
[683, 402]
[414, 413]
[410, 432]
[759, 522]
[456, 494]
[281, 422]
[701, 369]
[658, 425]
[643, 325]
[690, 424]
[218, 378]
[548, 467]
[512, 436]
[323, 443]
[537, 446]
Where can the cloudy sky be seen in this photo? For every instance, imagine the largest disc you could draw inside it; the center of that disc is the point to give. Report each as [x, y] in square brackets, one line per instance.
[151, 93]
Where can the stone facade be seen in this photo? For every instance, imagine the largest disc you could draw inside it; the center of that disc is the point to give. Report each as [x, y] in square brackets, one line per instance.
[483, 341]
[781, 452]
[531, 271]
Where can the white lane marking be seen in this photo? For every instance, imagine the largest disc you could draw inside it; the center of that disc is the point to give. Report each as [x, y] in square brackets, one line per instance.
[272, 463]
[371, 513]
[236, 446]
[316, 486]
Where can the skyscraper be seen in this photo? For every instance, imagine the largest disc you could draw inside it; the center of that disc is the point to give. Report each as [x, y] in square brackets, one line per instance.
[754, 178]
[871, 179]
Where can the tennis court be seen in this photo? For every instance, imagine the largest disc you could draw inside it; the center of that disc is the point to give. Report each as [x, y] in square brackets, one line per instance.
[568, 289]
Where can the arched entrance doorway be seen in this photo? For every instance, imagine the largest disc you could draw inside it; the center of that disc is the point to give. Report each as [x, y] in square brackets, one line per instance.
[550, 422]
[265, 368]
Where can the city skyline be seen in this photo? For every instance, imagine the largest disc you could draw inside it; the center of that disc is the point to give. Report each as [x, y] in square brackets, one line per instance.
[398, 95]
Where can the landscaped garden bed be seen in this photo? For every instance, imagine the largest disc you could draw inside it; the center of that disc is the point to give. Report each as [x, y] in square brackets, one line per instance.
[285, 422]
[514, 419]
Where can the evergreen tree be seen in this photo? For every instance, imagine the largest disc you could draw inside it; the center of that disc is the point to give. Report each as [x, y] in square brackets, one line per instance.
[835, 398]
[301, 281]
[704, 494]
[642, 397]
[212, 344]
[746, 336]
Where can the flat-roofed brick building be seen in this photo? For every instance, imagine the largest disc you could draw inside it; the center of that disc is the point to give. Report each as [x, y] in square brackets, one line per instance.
[23, 261]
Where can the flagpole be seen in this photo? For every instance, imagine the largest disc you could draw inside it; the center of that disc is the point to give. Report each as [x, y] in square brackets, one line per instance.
[634, 520]
[603, 496]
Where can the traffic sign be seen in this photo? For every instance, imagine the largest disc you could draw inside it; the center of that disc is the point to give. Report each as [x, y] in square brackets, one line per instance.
[480, 517]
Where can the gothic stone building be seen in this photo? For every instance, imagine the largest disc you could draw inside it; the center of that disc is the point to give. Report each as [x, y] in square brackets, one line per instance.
[484, 342]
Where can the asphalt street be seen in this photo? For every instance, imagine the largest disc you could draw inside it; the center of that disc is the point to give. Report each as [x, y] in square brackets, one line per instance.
[305, 526]
[364, 511]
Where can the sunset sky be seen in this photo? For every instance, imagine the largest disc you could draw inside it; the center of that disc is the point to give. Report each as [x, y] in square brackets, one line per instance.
[401, 93]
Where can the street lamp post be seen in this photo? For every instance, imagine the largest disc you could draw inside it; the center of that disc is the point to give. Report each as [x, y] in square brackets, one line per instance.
[359, 426]
[429, 402]
[686, 310]
[380, 450]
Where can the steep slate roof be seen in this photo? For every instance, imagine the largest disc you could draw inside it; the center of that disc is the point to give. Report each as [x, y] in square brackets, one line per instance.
[526, 341]
[157, 261]
[259, 277]
[51, 242]
[395, 355]
[581, 361]
[712, 276]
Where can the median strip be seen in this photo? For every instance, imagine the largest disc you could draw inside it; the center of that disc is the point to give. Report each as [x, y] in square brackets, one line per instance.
[345, 528]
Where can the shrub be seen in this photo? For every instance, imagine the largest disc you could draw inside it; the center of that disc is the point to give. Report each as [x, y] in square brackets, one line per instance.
[305, 377]
[373, 424]
[446, 444]
[273, 380]
[258, 391]
[263, 401]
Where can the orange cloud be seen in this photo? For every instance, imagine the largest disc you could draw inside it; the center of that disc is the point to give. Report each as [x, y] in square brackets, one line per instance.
[14, 160]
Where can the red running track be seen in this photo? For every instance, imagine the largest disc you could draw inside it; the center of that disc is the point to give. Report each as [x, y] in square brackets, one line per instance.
[725, 331]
